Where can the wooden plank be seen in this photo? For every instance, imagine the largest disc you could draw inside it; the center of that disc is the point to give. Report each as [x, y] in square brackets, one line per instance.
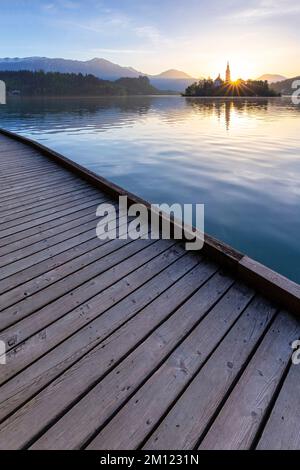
[30, 176]
[19, 195]
[17, 192]
[44, 267]
[143, 411]
[67, 266]
[89, 201]
[32, 182]
[32, 210]
[240, 418]
[174, 285]
[73, 311]
[9, 156]
[47, 196]
[88, 194]
[39, 232]
[46, 369]
[18, 184]
[17, 260]
[282, 430]
[30, 170]
[48, 250]
[192, 413]
[13, 161]
[86, 268]
[116, 387]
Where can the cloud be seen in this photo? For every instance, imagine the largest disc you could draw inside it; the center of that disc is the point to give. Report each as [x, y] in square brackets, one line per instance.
[58, 5]
[121, 51]
[150, 33]
[265, 9]
[114, 24]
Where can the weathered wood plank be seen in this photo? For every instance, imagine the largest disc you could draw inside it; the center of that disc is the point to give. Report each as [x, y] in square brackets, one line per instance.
[10, 181]
[240, 418]
[37, 211]
[62, 241]
[14, 193]
[86, 202]
[161, 299]
[17, 173]
[18, 196]
[192, 413]
[72, 261]
[86, 271]
[48, 250]
[37, 202]
[66, 324]
[143, 410]
[12, 252]
[32, 183]
[22, 278]
[282, 431]
[116, 387]
[31, 217]
[23, 238]
[140, 302]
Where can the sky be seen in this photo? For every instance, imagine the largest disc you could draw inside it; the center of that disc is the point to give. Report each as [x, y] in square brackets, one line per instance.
[196, 36]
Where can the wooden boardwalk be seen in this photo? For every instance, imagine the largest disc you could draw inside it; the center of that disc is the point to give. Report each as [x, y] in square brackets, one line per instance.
[127, 344]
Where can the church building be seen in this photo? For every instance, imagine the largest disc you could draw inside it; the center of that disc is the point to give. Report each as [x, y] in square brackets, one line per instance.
[219, 81]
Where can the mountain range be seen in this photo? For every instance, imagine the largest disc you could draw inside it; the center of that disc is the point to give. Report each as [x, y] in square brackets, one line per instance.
[272, 78]
[174, 80]
[285, 87]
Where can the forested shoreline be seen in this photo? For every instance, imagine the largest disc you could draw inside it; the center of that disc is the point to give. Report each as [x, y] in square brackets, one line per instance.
[26, 83]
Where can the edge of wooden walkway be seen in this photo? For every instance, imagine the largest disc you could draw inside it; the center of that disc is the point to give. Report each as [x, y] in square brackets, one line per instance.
[271, 284]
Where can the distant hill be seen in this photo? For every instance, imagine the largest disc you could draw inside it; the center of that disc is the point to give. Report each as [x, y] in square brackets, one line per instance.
[175, 85]
[272, 78]
[27, 83]
[173, 74]
[285, 87]
[174, 80]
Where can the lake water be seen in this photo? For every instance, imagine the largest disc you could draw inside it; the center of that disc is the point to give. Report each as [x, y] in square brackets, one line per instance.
[241, 158]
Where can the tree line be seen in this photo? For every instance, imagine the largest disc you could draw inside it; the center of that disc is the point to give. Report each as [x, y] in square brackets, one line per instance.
[40, 83]
[207, 87]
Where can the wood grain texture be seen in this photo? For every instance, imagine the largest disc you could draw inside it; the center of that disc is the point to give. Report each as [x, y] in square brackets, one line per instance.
[239, 420]
[191, 414]
[282, 431]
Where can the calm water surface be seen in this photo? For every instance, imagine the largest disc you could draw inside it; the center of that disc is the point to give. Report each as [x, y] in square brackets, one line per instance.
[239, 157]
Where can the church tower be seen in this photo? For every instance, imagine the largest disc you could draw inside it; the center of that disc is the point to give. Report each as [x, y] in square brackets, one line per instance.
[228, 76]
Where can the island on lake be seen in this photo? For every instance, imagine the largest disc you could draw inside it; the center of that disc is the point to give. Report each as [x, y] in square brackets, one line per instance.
[223, 88]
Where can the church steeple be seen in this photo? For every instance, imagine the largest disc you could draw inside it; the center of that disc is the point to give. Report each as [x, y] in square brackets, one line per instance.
[228, 76]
